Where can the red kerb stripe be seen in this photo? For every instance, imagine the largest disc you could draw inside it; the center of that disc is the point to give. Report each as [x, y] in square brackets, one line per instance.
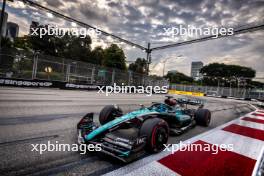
[204, 163]
[257, 114]
[260, 111]
[253, 120]
[245, 131]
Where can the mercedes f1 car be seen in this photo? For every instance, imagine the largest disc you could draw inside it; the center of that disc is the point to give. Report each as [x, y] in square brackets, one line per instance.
[129, 136]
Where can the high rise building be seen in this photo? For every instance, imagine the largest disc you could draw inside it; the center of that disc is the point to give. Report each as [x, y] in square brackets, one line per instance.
[3, 30]
[33, 25]
[195, 70]
[12, 30]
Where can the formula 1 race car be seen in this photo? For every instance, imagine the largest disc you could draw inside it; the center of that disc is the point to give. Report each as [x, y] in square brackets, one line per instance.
[129, 136]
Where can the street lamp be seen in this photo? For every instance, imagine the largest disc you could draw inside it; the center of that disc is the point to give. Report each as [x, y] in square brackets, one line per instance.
[48, 70]
[165, 61]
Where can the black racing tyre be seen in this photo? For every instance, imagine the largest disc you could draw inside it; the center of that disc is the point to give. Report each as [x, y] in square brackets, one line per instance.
[109, 113]
[202, 117]
[157, 132]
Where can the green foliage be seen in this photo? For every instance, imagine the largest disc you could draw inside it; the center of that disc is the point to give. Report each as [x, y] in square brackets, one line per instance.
[68, 46]
[41, 75]
[114, 57]
[23, 64]
[52, 76]
[139, 66]
[226, 71]
[72, 47]
[7, 59]
[257, 84]
[22, 43]
[179, 78]
[227, 75]
[98, 55]
[6, 43]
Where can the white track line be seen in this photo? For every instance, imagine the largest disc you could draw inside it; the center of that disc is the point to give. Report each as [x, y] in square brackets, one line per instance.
[241, 144]
[249, 124]
[155, 169]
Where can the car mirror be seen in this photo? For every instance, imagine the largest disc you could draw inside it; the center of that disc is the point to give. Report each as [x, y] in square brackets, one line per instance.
[142, 106]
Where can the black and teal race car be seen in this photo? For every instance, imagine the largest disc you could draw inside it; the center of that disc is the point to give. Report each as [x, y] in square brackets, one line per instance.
[129, 136]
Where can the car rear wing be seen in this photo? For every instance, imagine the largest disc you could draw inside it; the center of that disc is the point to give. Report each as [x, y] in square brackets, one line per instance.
[186, 101]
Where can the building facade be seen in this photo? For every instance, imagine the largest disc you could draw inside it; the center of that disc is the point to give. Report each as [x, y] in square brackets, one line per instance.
[195, 70]
[12, 30]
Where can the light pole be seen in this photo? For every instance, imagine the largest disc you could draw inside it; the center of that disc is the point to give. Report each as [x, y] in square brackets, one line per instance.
[165, 61]
[148, 51]
[164, 65]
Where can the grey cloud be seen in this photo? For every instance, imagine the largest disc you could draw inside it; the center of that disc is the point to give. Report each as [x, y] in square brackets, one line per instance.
[93, 14]
[124, 17]
[54, 3]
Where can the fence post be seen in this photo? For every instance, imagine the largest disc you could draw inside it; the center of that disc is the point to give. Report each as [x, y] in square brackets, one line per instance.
[113, 76]
[92, 76]
[129, 77]
[68, 73]
[35, 66]
[244, 93]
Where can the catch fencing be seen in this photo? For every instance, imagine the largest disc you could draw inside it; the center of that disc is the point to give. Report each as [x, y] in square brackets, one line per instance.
[31, 66]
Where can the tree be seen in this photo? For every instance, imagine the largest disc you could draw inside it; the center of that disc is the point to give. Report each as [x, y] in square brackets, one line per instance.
[79, 49]
[216, 73]
[22, 43]
[139, 66]
[6, 55]
[179, 78]
[67, 45]
[6, 43]
[114, 57]
[257, 84]
[223, 70]
[70, 47]
[98, 55]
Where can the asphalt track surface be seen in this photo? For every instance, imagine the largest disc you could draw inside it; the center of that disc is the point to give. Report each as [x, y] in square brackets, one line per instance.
[36, 116]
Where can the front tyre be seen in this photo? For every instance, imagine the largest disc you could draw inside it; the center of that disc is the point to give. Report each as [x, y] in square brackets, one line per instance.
[109, 113]
[157, 132]
[202, 117]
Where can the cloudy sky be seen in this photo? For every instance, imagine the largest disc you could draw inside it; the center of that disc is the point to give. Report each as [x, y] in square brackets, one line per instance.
[144, 21]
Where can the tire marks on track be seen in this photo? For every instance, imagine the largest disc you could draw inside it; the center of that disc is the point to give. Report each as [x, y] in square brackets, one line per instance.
[28, 140]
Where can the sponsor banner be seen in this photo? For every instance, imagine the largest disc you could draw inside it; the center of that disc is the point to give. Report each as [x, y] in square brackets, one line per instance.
[185, 93]
[25, 83]
[45, 83]
[80, 86]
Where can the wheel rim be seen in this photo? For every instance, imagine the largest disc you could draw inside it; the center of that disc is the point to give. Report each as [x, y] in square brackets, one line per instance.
[208, 118]
[159, 139]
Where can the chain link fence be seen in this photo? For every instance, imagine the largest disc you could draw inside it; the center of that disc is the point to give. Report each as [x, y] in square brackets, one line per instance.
[246, 93]
[27, 65]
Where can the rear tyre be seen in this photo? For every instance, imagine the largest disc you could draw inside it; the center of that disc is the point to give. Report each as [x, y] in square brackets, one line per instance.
[109, 113]
[202, 117]
[157, 132]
